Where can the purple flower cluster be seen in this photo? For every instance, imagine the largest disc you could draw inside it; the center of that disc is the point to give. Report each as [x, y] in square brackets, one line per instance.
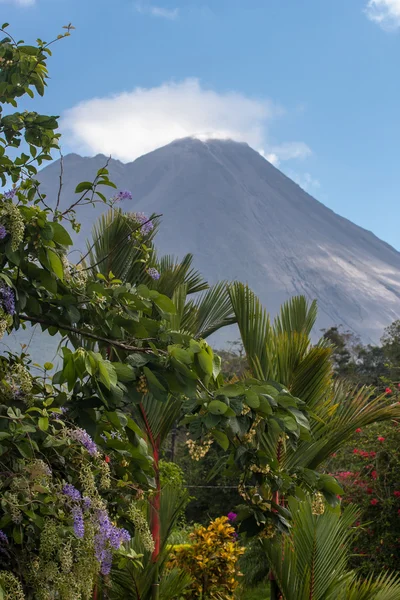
[10, 194]
[72, 493]
[7, 299]
[154, 274]
[232, 517]
[110, 535]
[123, 195]
[3, 232]
[147, 226]
[82, 436]
[3, 538]
[79, 525]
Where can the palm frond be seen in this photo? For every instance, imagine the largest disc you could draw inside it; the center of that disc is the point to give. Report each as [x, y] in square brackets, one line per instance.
[113, 249]
[344, 409]
[385, 586]
[310, 563]
[211, 311]
[254, 327]
[297, 315]
[177, 272]
[156, 418]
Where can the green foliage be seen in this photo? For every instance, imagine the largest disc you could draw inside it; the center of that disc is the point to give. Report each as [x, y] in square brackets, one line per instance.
[311, 562]
[51, 537]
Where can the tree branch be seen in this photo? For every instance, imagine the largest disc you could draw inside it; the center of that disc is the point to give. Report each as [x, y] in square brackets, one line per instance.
[88, 334]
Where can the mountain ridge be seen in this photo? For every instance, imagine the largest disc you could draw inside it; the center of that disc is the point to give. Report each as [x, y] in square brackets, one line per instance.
[245, 220]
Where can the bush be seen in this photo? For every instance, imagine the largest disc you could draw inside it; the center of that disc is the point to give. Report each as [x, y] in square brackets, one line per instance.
[369, 472]
[211, 559]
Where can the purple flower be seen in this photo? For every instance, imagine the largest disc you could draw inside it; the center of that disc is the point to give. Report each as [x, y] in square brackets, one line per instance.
[7, 299]
[79, 526]
[154, 274]
[10, 194]
[82, 436]
[72, 493]
[108, 534]
[87, 503]
[232, 516]
[3, 232]
[106, 562]
[103, 437]
[147, 225]
[123, 195]
[3, 538]
[235, 536]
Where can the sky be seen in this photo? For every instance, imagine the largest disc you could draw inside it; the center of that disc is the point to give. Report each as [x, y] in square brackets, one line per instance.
[313, 85]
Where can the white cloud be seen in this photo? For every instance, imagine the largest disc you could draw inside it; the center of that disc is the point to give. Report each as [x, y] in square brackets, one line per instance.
[384, 12]
[130, 124]
[157, 11]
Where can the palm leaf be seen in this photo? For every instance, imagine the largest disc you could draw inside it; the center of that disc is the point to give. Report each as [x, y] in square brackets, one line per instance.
[310, 563]
[211, 311]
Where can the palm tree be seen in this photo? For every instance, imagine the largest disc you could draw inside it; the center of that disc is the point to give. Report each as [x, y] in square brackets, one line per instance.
[283, 352]
[311, 562]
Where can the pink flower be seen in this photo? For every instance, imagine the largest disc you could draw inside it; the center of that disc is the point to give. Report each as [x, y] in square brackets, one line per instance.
[372, 454]
[397, 494]
[355, 451]
[369, 491]
[388, 390]
[358, 430]
[374, 474]
[334, 455]
[381, 439]
[374, 501]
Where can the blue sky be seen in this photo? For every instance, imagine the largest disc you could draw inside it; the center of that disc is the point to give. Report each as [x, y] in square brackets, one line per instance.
[312, 84]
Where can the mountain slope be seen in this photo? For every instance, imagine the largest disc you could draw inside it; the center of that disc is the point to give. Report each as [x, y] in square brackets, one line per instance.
[244, 219]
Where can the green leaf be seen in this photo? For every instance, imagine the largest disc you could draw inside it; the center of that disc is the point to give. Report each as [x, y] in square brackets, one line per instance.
[55, 263]
[17, 535]
[83, 186]
[152, 379]
[205, 361]
[221, 438]
[61, 235]
[43, 423]
[252, 399]
[216, 407]
[165, 304]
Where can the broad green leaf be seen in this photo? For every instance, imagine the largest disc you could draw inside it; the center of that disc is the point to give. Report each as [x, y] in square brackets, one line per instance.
[216, 407]
[43, 423]
[83, 186]
[55, 263]
[252, 399]
[61, 235]
[165, 304]
[205, 361]
[221, 438]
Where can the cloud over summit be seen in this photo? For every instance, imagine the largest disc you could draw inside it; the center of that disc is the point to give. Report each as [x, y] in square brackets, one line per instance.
[130, 124]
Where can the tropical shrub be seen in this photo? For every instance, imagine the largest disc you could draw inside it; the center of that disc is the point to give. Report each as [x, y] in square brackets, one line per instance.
[369, 473]
[312, 561]
[57, 529]
[211, 560]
